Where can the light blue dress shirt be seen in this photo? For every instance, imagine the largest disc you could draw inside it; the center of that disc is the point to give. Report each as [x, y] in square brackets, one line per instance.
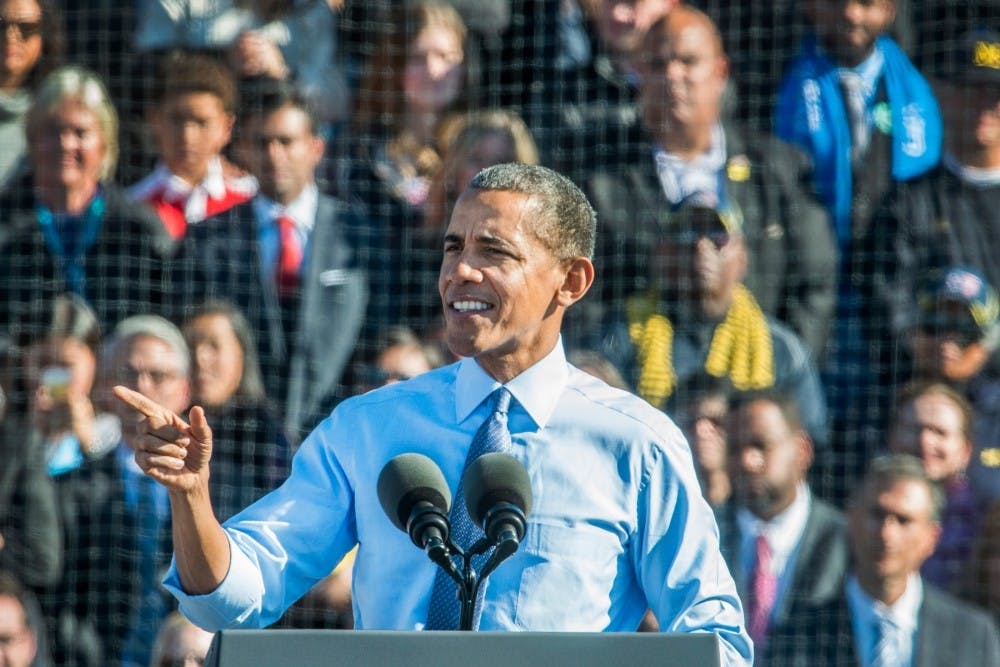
[618, 521]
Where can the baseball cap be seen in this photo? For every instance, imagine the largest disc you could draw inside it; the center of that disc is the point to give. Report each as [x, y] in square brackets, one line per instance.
[974, 58]
[958, 300]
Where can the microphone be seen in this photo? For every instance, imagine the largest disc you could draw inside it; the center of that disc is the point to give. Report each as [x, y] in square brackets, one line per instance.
[497, 494]
[415, 497]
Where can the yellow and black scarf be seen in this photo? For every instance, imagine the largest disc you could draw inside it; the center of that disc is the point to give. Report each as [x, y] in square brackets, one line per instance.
[741, 347]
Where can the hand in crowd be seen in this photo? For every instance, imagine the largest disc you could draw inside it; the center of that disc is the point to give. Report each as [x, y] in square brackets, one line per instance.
[253, 54]
[168, 449]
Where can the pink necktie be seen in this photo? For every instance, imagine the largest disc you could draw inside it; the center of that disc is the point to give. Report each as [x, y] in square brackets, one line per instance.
[763, 589]
[289, 256]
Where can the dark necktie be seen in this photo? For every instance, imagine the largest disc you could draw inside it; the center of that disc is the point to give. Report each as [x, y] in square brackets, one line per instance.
[492, 436]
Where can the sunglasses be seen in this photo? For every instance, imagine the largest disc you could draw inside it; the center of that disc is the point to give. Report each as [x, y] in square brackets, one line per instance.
[24, 29]
[718, 237]
[961, 332]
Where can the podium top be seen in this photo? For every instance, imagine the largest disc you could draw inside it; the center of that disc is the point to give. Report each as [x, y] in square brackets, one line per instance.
[304, 648]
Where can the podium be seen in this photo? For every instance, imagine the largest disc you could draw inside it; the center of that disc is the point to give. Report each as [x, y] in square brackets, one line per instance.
[348, 648]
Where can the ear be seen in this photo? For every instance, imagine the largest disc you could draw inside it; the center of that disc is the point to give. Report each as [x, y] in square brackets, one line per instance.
[578, 278]
[805, 452]
[317, 146]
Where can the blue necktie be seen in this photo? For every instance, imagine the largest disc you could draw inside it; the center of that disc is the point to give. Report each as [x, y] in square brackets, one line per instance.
[492, 436]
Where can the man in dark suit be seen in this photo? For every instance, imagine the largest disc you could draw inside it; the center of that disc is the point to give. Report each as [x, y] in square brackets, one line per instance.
[288, 259]
[786, 548]
[886, 614]
[685, 151]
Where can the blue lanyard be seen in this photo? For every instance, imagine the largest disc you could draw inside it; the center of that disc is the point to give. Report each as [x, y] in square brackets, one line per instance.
[72, 264]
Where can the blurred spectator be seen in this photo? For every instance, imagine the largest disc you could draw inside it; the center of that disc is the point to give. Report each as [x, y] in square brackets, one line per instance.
[704, 422]
[109, 604]
[192, 121]
[33, 41]
[933, 422]
[868, 119]
[787, 549]
[594, 108]
[61, 370]
[954, 340]
[691, 154]
[951, 216]
[416, 77]
[285, 40]
[401, 356]
[251, 454]
[287, 259]
[473, 142]
[20, 632]
[698, 322]
[887, 614]
[67, 228]
[180, 643]
[31, 546]
[858, 106]
[982, 577]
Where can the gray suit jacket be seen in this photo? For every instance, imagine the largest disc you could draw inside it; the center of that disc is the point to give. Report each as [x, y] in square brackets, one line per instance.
[820, 565]
[303, 363]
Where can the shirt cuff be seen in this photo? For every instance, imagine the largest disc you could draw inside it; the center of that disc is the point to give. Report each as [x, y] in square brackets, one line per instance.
[231, 604]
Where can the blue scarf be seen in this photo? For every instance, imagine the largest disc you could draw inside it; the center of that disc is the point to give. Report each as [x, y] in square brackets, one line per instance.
[811, 113]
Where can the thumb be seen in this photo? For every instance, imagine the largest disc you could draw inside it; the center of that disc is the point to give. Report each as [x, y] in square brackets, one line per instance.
[200, 430]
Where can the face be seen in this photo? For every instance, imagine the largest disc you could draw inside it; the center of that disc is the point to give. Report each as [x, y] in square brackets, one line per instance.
[282, 152]
[622, 23]
[402, 362]
[488, 150]
[770, 458]
[501, 287]
[700, 268]
[17, 641]
[930, 428]
[971, 115]
[433, 77]
[848, 28]
[218, 359]
[706, 429]
[21, 40]
[67, 149]
[152, 368]
[891, 531]
[190, 129]
[77, 365]
[684, 74]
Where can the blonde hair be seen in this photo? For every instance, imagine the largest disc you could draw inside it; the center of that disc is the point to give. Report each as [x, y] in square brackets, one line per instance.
[86, 88]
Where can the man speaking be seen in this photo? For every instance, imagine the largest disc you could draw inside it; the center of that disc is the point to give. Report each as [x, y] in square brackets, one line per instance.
[618, 524]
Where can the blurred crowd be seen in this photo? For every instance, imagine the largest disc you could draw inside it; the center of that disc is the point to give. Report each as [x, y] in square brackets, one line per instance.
[240, 204]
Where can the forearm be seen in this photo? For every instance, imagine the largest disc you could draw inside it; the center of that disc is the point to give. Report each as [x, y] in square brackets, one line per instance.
[201, 548]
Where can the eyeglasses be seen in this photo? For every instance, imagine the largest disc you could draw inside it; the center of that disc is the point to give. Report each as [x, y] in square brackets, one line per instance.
[131, 375]
[719, 238]
[24, 29]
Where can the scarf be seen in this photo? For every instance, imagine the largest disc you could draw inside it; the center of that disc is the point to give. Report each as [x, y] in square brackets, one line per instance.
[741, 347]
[810, 113]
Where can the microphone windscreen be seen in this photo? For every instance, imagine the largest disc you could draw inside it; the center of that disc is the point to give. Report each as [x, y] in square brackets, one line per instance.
[495, 478]
[407, 480]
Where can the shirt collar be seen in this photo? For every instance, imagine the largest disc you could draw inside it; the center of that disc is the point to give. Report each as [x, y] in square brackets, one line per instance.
[536, 389]
[302, 209]
[903, 613]
[783, 531]
[869, 70]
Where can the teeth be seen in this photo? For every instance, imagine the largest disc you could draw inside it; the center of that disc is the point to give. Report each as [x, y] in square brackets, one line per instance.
[467, 306]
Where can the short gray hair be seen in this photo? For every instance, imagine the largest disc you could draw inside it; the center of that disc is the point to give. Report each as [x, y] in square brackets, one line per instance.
[567, 223]
[890, 468]
[152, 326]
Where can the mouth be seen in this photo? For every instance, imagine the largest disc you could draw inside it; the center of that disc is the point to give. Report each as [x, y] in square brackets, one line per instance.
[468, 306]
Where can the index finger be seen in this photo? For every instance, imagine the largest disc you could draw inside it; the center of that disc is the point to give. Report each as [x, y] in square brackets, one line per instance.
[157, 415]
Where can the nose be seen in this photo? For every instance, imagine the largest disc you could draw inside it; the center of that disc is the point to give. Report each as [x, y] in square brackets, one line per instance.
[751, 459]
